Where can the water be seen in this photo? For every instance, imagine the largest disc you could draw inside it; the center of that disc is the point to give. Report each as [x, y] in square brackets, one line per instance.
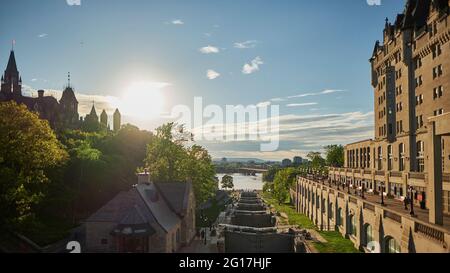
[245, 182]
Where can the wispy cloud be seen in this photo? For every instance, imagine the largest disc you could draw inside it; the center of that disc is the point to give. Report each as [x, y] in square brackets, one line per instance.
[246, 44]
[324, 92]
[177, 22]
[253, 66]
[209, 50]
[211, 74]
[42, 35]
[73, 2]
[301, 104]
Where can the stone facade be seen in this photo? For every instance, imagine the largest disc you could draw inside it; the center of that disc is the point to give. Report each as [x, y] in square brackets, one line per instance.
[411, 82]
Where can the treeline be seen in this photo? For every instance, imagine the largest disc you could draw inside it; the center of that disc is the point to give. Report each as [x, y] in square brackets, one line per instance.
[49, 182]
[279, 180]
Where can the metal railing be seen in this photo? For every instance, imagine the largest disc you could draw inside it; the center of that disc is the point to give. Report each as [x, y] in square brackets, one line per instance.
[417, 175]
[429, 232]
[393, 216]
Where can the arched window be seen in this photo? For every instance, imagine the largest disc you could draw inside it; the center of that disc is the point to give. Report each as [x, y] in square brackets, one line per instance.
[330, 211]
[392, 246]
[420, 156]
[368, 234]
[353, 225]
[339, 217]
[401, 156]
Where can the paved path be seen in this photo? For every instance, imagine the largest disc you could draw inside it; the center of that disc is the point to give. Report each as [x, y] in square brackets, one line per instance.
[198, 245]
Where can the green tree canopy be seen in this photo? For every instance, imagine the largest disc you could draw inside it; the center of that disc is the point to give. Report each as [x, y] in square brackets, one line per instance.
[317, 161]
[284, 179]
[335, 155]
[28, 150]
[227, 182]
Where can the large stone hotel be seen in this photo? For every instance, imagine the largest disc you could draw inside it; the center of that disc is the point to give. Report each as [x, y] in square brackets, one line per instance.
[395, 188]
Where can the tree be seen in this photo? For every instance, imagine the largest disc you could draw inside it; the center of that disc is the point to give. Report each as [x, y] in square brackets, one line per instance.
[269, 176]
[168, 160]
[335, 155]
[29, 149]
[317, 161]
[284, 179]
[227, 182]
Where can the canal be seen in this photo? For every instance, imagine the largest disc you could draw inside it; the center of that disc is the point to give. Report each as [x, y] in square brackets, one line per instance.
[245, 182]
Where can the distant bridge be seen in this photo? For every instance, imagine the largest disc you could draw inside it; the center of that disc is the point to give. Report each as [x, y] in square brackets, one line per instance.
[252, 171]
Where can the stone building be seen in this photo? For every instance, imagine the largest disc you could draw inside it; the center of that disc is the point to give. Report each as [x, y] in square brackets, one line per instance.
[409, 158]
[149, 218]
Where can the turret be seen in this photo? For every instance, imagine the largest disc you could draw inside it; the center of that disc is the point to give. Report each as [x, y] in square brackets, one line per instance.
[104, 118]
[117, 120]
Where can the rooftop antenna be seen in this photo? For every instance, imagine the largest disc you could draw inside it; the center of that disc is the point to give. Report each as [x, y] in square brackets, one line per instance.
[13, 43]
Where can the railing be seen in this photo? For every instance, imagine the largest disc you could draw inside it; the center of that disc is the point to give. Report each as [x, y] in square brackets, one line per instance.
[367, 172]
[417, 175]
[380, 173]
[429, 232]
[331, 191]
[393, 216]
[341, 195]
[369, 206]
[396, 174]
[352, 200]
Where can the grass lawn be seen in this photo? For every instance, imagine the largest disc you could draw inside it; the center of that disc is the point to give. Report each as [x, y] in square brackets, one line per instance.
[336, 243]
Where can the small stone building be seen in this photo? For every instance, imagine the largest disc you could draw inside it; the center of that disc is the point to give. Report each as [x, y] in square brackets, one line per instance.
[149, 218]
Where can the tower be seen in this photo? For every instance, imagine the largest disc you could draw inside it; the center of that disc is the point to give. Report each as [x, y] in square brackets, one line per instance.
[117, 120]
[104, 118]
[11, 82]
[69, 105]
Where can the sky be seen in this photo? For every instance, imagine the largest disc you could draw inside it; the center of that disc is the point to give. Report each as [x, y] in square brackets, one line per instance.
[308, 57]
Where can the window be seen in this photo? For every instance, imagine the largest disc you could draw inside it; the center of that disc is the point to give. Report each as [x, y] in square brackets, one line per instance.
[438, 112]
[418, 63]
[353, 225]
[437, 71]
[390, 157]
[401, 152]
[368, 234]
[339, 217]
[420, 157]
[392, 246]
[436, 49]
[419, 81]
[380, 158]
[398, 90]
[330, 211]
[419, 121]
[438, 92]
[419, 99]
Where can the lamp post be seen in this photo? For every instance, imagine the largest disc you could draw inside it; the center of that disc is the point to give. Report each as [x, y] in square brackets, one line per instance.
[362, 190]
[411, 200]
[382, 193]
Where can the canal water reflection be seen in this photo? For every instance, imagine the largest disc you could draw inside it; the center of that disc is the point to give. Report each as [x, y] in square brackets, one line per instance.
[245, 182]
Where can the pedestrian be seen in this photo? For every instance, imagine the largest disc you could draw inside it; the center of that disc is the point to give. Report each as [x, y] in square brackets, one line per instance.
[203, 234]
[406, 202]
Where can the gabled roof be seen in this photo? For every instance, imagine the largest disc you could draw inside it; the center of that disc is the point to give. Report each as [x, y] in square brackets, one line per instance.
[176, 195]
[68, 95]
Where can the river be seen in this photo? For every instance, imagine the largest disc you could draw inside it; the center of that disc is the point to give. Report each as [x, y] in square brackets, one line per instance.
[245, 182]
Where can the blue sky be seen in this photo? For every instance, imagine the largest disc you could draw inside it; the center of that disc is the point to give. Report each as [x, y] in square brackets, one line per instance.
[298, 47]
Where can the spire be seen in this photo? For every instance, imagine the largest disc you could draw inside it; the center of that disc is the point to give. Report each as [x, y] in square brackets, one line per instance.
[93, 112]
[68, 79]
[12, 66]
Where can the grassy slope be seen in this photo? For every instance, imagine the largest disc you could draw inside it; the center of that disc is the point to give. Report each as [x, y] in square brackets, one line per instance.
[336, 243]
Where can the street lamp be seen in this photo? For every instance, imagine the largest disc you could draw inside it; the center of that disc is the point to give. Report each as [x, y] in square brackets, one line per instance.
[382, 193]
[411, 199]
[362, 190]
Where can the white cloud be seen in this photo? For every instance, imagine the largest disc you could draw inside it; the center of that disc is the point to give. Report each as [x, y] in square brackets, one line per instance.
[209, 49]
[246, 44]
[42, 35]
[34, 80]
[73, 2]
[253, 66]
[301, 104]
[324, 92]
[264, 104]
[177, 22]
[211, 74]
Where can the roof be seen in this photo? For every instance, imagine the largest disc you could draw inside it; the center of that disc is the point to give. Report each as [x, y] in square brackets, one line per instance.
[12, 66]
[176, 195]
[68, 95]
[163, 204]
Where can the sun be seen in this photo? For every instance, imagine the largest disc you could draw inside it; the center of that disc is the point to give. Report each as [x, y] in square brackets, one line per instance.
[142, 100]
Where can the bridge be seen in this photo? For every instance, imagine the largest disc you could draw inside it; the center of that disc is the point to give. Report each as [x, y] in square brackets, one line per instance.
[252, 171]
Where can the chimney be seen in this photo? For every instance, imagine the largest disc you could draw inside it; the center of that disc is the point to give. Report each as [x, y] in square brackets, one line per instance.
[40, 93]
[144, 177]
